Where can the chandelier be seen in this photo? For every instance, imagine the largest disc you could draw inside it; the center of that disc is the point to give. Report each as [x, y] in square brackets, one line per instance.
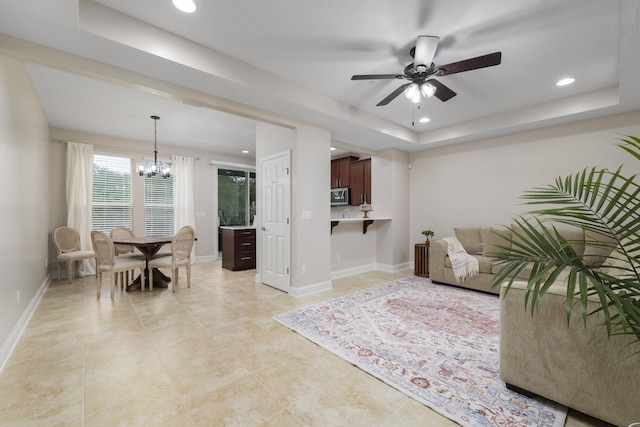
[153, 169]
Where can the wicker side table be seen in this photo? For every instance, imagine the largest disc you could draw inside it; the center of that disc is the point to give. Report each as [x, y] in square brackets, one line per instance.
[421, 260]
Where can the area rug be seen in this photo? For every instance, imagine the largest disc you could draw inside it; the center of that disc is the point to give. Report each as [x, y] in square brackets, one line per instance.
[438, 344]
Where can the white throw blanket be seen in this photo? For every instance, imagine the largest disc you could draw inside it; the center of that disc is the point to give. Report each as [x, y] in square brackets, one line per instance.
[464, 265]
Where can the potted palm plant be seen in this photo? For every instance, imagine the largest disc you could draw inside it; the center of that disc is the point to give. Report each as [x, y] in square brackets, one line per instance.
[602, 202]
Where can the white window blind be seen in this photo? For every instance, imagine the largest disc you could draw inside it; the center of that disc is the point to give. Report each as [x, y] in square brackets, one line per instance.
[111, 200]
[158, 205]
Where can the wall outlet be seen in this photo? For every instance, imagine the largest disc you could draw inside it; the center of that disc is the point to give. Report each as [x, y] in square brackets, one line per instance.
[46, 263]
[338, 257]
[303, 269]
[18, 297]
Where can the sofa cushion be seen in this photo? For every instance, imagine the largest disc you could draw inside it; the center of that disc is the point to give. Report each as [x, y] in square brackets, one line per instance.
[575, 237]
[485, 264]
[595, 255]
[617, 264]
[524, 274]
[470, 239]
[492, 238]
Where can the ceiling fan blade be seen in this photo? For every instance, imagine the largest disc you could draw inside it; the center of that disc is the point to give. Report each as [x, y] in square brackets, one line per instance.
[377, 76]
[425, 50]
[443, 93]
[470, 64]
[393, 95]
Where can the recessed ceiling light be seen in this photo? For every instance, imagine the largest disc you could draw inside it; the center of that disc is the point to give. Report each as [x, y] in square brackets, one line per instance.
[333, 148]
[187, 6]
[245, 151]
[565, 81]
[425, 120]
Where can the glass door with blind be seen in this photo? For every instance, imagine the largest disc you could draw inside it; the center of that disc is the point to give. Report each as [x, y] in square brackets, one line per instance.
[236, 198]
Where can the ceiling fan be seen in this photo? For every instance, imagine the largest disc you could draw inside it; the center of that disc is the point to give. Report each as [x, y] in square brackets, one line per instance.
[421, 71]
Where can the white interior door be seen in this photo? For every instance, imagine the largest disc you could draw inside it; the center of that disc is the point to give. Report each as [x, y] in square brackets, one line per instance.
[275, 227]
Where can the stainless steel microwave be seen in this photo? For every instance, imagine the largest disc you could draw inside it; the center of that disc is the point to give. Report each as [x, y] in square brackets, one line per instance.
[340, 196]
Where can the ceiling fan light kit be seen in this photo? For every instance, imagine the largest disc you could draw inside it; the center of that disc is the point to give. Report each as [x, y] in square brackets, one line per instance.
[412, 92]
[427, 89]
[420, 73]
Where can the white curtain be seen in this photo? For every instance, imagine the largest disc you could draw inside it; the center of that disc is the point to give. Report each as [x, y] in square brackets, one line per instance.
[183, 206]
[79, 195]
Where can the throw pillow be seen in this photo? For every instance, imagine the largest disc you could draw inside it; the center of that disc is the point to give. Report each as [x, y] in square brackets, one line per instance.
[594, 254]
[492, 238]
[470, 239]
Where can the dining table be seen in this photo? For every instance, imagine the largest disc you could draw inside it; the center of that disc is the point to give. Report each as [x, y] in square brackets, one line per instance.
[149, 247]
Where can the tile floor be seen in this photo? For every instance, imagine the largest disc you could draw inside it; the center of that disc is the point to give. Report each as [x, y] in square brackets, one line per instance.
[210, 355]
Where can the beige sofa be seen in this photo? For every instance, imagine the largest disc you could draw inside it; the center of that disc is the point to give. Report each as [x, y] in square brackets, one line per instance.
[477, 242]
[576, 366]
[480, 242]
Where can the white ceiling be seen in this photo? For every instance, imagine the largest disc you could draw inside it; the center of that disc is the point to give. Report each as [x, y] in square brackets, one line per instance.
[296, 58]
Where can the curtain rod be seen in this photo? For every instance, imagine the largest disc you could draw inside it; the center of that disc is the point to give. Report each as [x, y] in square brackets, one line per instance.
[131, 150]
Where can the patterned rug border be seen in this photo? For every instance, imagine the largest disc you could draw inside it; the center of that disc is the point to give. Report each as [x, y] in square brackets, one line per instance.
[313, 337]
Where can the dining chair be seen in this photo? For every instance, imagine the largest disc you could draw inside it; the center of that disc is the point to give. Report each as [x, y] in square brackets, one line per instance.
[126, 251]
[107, 261]
[67, 243]
[181, 246]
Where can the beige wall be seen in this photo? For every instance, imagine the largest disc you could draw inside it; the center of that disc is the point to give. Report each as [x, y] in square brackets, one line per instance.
[479, 183]
[24, 205]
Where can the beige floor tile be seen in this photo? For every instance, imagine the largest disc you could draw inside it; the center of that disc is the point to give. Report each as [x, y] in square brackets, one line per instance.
[414, 414]
[102, 350]
[300, 377]
[174, 333]
[242, 403]
[355, 399]
[133, 402]
[196, 367]
[262, 351]
[51, 395]
[59, 415]
[282, 419]
[135, 367]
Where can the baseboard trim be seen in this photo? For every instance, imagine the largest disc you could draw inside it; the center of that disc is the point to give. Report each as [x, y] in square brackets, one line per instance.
[301, 291]
[393, 268]
[339, 274]
[16, 333]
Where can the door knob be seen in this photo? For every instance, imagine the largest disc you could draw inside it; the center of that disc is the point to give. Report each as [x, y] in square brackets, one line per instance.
[264, 228]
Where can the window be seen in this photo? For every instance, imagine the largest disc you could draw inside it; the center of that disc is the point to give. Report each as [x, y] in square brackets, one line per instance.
[158, 205]
[111, 200]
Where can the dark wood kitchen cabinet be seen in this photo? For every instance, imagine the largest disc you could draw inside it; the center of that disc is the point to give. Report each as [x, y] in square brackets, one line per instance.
[238, 248]
[341, 172]
[360, 179]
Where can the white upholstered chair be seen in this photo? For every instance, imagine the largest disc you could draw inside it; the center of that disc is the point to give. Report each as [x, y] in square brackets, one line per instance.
[181, 246]
[67, 242]
[108, 263]
[124, 251]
